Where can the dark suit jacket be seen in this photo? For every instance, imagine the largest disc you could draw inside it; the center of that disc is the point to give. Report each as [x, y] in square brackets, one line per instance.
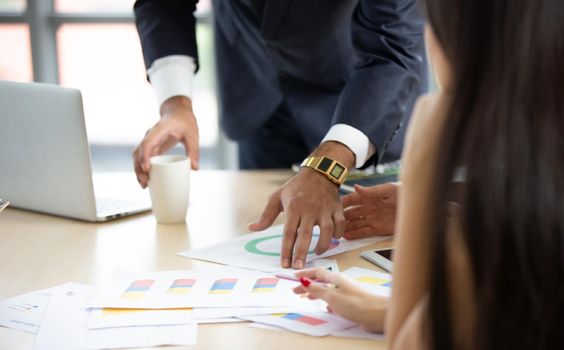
[357, 62]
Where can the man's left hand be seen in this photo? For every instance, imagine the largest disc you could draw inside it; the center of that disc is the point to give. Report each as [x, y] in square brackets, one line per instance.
[308, 199]
[371, 211]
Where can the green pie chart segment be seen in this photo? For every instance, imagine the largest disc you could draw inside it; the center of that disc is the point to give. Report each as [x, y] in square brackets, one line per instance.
[253, 246]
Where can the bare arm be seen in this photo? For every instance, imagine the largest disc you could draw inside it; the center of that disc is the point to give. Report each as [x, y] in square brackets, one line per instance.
[411, 265]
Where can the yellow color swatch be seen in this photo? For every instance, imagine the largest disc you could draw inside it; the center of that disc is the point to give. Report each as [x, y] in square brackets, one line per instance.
[220, 291]
[372, 280]
[178, 290]
[133, 295]
[109, 312]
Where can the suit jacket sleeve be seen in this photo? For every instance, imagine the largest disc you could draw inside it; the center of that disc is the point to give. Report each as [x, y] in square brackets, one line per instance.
[166, 27]
[388, 37]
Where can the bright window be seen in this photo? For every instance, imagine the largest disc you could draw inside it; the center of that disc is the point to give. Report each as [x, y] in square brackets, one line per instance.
[106, 6]
[103, 59]
[12, 5]
[105, 62]
[15, 60]
[97, 6]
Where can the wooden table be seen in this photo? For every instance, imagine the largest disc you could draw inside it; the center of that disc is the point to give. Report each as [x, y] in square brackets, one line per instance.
[40, 251]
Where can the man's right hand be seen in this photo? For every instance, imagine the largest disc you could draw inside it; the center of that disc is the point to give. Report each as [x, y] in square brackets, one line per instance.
[177, 124]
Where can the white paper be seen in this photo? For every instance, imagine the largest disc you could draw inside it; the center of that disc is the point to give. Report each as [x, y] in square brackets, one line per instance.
[359, 333]
[265, 326]
[307, 305]
[355, 332]
[25, 312]
[327, 264]
[374, 282]
[220, 320]
[316, 324]
[109, 318]
[261, 250]
[65, 327]
[191, 289]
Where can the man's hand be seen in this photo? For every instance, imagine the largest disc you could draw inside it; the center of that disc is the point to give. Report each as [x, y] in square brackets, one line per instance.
[371, 211]
[308, 199]
[177, 124]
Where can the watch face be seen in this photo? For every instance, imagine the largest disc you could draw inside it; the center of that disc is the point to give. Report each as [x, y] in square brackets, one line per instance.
[325, 164]
[337, 171]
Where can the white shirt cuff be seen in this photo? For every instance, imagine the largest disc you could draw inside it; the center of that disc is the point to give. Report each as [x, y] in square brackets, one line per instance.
[172, 76]
[354, 139]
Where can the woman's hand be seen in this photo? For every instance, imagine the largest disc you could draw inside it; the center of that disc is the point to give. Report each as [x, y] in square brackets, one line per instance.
[345, 298]
[370, 211]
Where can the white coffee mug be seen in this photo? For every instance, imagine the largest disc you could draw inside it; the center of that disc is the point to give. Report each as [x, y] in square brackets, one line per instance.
[169, 184]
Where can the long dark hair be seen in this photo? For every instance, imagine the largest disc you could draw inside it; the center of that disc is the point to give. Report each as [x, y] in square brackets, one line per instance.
[505, 131]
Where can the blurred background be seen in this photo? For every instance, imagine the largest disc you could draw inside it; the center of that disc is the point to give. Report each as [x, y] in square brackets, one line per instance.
[93, 45]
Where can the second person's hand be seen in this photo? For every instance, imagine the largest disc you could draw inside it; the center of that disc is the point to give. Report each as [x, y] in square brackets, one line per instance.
[177, 124]
[344, 297]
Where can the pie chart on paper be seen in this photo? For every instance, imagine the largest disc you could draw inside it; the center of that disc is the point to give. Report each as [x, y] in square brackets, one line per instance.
[270, 245]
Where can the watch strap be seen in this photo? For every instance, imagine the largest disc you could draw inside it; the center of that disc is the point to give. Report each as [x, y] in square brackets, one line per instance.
[332, 169]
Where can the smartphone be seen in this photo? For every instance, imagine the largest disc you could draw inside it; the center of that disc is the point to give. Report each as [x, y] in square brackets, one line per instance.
[380, 257]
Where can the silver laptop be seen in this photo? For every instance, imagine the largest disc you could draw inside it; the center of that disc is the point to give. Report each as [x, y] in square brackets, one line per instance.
[45, 158]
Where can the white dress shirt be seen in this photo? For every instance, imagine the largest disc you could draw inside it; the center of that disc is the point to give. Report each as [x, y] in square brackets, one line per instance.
[173, 76]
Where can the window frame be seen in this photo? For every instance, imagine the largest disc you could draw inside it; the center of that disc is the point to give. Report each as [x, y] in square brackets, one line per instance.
[43, 22]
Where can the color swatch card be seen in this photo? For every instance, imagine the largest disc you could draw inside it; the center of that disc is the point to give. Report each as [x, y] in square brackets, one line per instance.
[316, 324]
[191, 289]
[65, 327]
[374, 282]
[261, 250]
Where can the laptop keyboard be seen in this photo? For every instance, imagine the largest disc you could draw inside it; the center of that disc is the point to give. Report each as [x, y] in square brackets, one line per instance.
[110, 205]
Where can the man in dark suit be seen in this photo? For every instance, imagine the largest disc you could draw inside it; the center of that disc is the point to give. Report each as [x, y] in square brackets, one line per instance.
[297, 80]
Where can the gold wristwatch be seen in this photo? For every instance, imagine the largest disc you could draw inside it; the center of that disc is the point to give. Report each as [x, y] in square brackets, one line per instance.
[335, 171]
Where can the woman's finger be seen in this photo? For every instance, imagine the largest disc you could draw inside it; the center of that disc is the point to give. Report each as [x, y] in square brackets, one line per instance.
[317, 274]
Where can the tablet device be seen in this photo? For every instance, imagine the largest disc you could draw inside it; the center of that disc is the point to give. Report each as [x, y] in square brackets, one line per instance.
[367, 180]
[380, 257]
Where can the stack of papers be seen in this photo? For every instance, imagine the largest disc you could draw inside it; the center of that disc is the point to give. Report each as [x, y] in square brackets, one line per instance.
[164, 308]
[60, 319]
[65, 326]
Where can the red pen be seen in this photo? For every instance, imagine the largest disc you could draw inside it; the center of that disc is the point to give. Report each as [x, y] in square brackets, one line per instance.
[304, 281]
[287, 277]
